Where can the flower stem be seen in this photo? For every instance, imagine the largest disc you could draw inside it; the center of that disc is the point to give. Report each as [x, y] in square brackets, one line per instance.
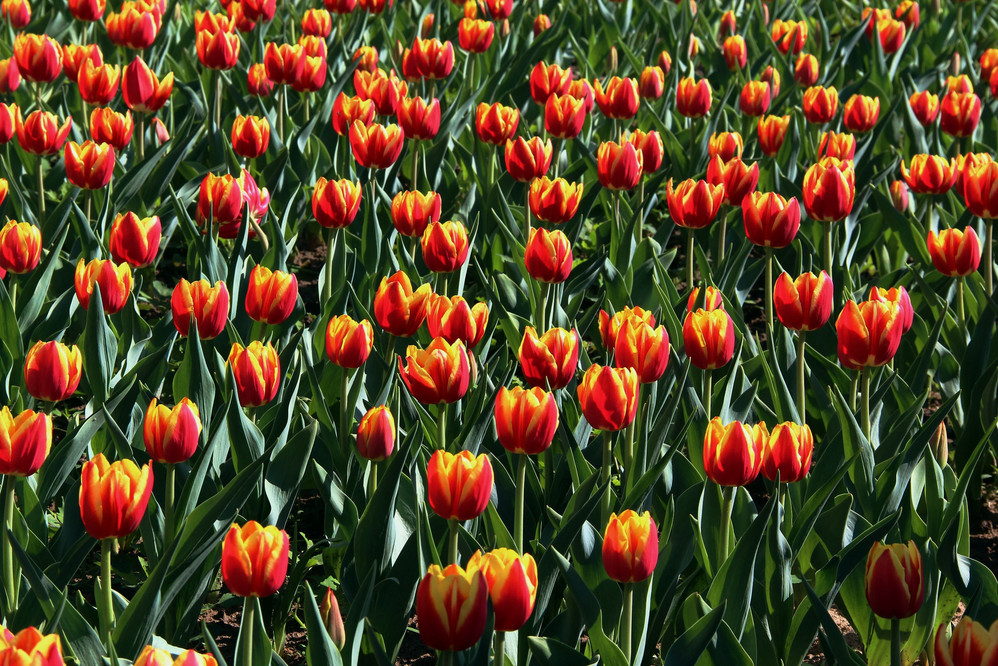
[721, 236]
[727, 501]
[521, 482]
[415, 164]
[526, 215]
[372, 481]
[107, 606]
[605, 471]
[171, 479]
[895, 641]
[769, 291]
[41, 194]
[639, 233]
[708, 390]
[442, 426]
[864, 375]
[331, 247]
[625, 621]
[140, 139]
[988, 258]
[8, 550]
[344, 409]
[218, 100]
[499, 649]
[629, 453]
[801, 405]
[689, 258]
[452, 541]
[248, 620]
[827, 242]
[962, 313]
[280, 112]
[542, 315]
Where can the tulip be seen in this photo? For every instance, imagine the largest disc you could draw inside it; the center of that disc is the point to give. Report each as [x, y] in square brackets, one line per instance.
[74, 55]
[899, 296]
[725, 145]
[551, 359]
[772, 131]
[772, 77]
[619, 165]
[891, 34]
[930, 174]
[693, 98]
[868, 333]
[8, 122]
[335, 202]
[820, 104]
[87, 10]
[542, 22]
[438, 374]
[151, 656]
[452, 607]
[712, 299]
[260, 85]
[528, 159]
[580, 89]
[495, 123]
[313, 73]
[732, 453]
[250, 136]
[630, 546]
[967, 162]
[829, 189]
[98, 84]
[787, 452]
[643, 348]
[499, 10]
[115, 283]
[894, 582]
[526, 419]
[374, 6]
[429, 59]
[651, 83]
[254, 559]
[755, 98]
[283, 62]
[564, 116]
[316, 22]
[171, 435]
[25, 441]
[260, 10]
[960, 113]
[459, 485]
[806, 70]
[804, 304]
[20, 247]
[30, 646]
[89, 165]
[512, 582]
[955, 253]
[135, 25]
[257, 372]
[735, 52]
[839, 146]
[980, 190]
[790, 36]
[39, 57]
[548, 256]
[860, 113]
[382, 89]
[332, 620]
[609, 397]
[770, 220]
[10, 75]
[925, 106]
[113, 496]
[609, 327]
[349, 342]
[412, 212]
[454, 319]
[554, 201]
[108, 126]
[398, 309]
[271, 295]
[142, 91]
[545, 80]
[899, 195]
[366, 58]
[972, 644]
[694, 204]
[709, 338]
[52, 370]
[220, 200]
[376, 146]
[376, 434]
[474, 35]
[40, 133]
[738, 178]
[202, 303]
[419, 120]
[619, 99]
[445, 246]
[651, 148]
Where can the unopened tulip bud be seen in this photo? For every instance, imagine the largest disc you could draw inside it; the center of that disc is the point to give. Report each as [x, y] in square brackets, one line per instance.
[940, 445]
[332, 620]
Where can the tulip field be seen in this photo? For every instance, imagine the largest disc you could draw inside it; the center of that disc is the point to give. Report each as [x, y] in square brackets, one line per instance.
[498, 332]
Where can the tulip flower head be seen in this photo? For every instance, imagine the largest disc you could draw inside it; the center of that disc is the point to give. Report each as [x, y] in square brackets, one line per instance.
[512, 582]
[202, 303]
[452, 607]
[732, 453]
[349, 342]
[548, 256]
[20, 247]
[256, 369]
[52, 370]
[496, 124]
[709, 338]
[869, 333]
[630, 546]
[30, 646]
[25, 441]
[459, 485]
[171, 434]
[445, 246]
[551, 359]
[554, 201]
[398, 309]
[829, 189]
[40, 133]
[254, 559]
[804, 303]
[113, 496]
[693, 204]
[455, 319]
[609, 397]
[772, 131]
[954, 252]
[115, 282]
[972, 644]
[787, 452]
[770, 220]
[376, 434]
[894, 581]
[930, 174]
[438, 374]
[526, 419]
[271, 295]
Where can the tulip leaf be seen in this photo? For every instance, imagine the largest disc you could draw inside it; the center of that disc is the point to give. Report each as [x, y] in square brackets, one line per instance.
[193, 379]
[10, 334]
[694, 641]
[855, 442]
[552, 652]
[99, 347]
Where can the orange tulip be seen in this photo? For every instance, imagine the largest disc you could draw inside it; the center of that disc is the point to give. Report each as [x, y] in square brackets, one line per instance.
[980, 190]
[142, 90]
[271, 295]
[39, 57]
[732, 453]
[108, 126]
[551, 359]
[418, 118]
[630, 546]
[930, 174]
[709, 338]
[495, 123]
[868, 333]
[542, 22]
[445, 246]
[349, 342]
[545, 80]
[900, 297]
[412, 212]
[257, 372]
[135, 25]
[790, 36]
[113, 496]
[459, 485]
[967, 162]
[512, 582]
[316, 22]
[452, 607]
[960, 113]
[260, 85]
[52, 370]
[40, 133]
[555, 201]
[820, 104]
[755, 98]
[528, 159]
[829, 189]
[860, 113]
[376, 434]
[649, 144]
[548, 256]
[619, 99]
[894, 581]
[254, 559]
[250, 136]
[899, 195]
[770, 220]
[151, 656]
[564, 116]
[20, 247]
[313, 73]
[619, 165]
[30, 646]
[376, 146]
[725, 145]
[335, 203]
[474, 35]
[438, 374]
[609, 397]
[804, 304]
[735, 52]
[580, 89]
[220, 199]
[955, 253]
[10, 76]
[348, 109]
[787, 452]
[642, 347]
[171, 435]
[609, 326]
[693, 98]
[115, 283]
[98, 84]
[712, 299]
[971, 644]
[526, 419]
[806, 70]
[283, 62]
[87, 10]
[25, 441]
[89, 165]
[135, 240]
[840, 146]
[891, 34]
[651, 83]
[773, 78]
[428, 59]
[202, 303]
[398, 309]
[925, 106]
[454, 319]
[385, 90]
[694, 204]
[739, 179]
[772, 131]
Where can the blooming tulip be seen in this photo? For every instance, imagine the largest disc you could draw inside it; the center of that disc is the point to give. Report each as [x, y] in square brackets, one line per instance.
[347, 109]
[113, 496]
[526, 419]
[619, 165]
[89, 165]
[254, 559]
[709, 338]
[115, 283]
[452, 607]
[642, 347]
[108, 126]
[980, 191]
[860, 113]
[438, 374]
[651, 83]
[376, 146]
[335, 202]
[960, 113]
[755, 98]
[271, 295]
[619, 99]
[30, 646]
[787, 452]
[528, 159]
[220, 200]
[548, 256]
[694, 204]
[804, 304]
[894, 585]
[39, 57]
[349, 342]
[609, 397]
[201, 302]
[496, 124]
[972, 644]
[790, 36]
[693, 98]
[428, 59]
[551, 359]
[564, 116]
[398, 309]
[135, 25]
[20, 247]
[171, 435]
[40, 133]
[739, 179]
[546, 80]
[769, 219]
[833, 144]
[445, 246]
[725, 145]
[555, 201]
[630, 546]
[413, 211]
[474, 35]
[257, 372]
[955, 253]
[732, 453]
[250, 136]
[418, 118]
[459, 485]
[454, 319]
[868, 333]
[52, 370]
[512, 582]
[712, 299]
[930, 174]
[609, 326]
[25, 441]
[98, 84]
[772, 131]
[820, 104]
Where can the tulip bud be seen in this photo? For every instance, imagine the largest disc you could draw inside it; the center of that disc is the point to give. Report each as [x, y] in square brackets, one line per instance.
[772, 131]
[829, 189]
[376, 434]
[806, 70]
[609, 327]
[257, 372]
[804, 304]
[438, 374]
[619, 165]
[348, 342]
[454, 319]
[459, 485]
[551, 359]
[954, 252]
[113, 496]
[868, 333]
[20, 247]
[257, 82]
[332, 620]
[335, 203]
[693, 98]
[755, 98]
[630, 546]
[512, 582]
[271, 295]
[202, 303]
[940, 445]
[608, 397]
[664, 61]
[548, 256]
[694, 204]
[769, 219]
[254, 559]
[452, 607]
[115, 283]
[25, 441]
[651, 84]
[894, 585]
[545, 80]
[495, 123]
[709, 338]
[611, 60]
[790, 36]
[542, 22]
[820, 104]
[171, 435]
[39, 57]
[732, 453]
[412, 212]
[526, 419]
[52, 370]
[643, 348]
[135, 240]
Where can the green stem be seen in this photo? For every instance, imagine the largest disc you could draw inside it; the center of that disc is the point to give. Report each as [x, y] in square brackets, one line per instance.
[827, 242]
[988, 258]
[625, 621]
[605, 472]
[721, 236]
[727, 501]
[499, 649]
[171, 480]
[542, 316]
[218, 100]
[639, 233]
[372, 481]
[801, 404]
[526, 215]
[140, 139]
[629, 452]
[689, 258]
[521, 482]
[344, 409]
[616, 214]
[853, 387]
[708, 390]
[106, 603]
[895, 641]
[442, 426]
[13, 293]
[864, 375]
[248, 620]
[960, 307]
[452, 541]
[41, 193]
[281, 93]
[331, 247]
[8, 550]
[415, 164]
[769, 292]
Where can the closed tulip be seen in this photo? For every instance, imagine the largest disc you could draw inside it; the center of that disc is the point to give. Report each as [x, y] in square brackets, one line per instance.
[841, 146]
[954, 252]
[107, 126]
[30, 646]
[512, 582]
[930, 174]
[459, 485]
[452, 606]
[564, 116]
[528, 159]
[115, 283]
[899, 195]
[755, 98]
[542, 22]
[39, 57]
[980, 190]
[203, 303]
[869, 333]
[40, 133]
[445, 246]
[412, 211]
[900, 297]
[218, 49]
[972, 644]
[650, 145]
[171, 435]
[860, 113]
[738, 178]
[335, 202]
[770, 220]
[142, 90]
[429, 59]
[10, 76]
[496, 124]
[376, 434]
[455, 319]
[725, 145]
[772, 76]
[438, 374]
[98, 84]
[347, 109]
[16, 12]
[790, 36]
[805, 303]
[135, 26]
[475, 35]
[271, 295]
[257, 372]
[732, 453]
[20, 247]
[546, 80]
[735, 52]
[694, 204]
[651, 83]
[643, 348]
[384, 90]
[820, 104]
[8, 122]
[619, 165]
[113, 496]
[89, 165]
[966, 163]
[250, 136]
[52, 370]
[25, 441]
[548, 256]
[220, 200]
[349, 342]
[609, 326]
[960, 113]
[555, 201]
[787, 452]
[418, 118]
[829, 189]
[712, 299]
[630, 546]
[806, 70]
[709, 338]
[283, 62]
[609, 397]
[894, 581]
[619, 99]
[551, 359]
[254, 559]
[772, 130]
[526, 419]
[376, 146]
[925, 106]
[693, 98]
[398, 309]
